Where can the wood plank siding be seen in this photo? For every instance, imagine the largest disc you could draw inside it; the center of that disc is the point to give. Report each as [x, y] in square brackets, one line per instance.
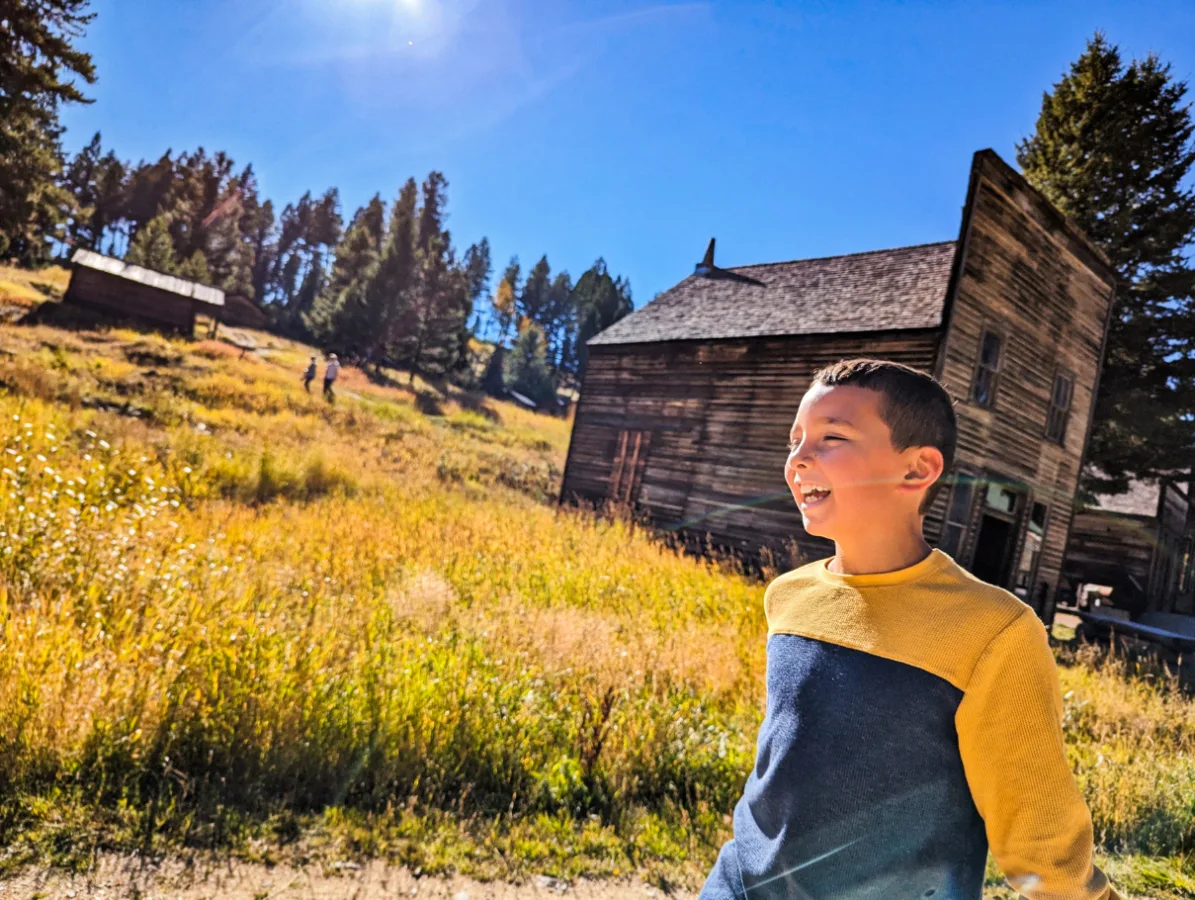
[1026, 277]
[719, 415]
[121, 298]
[1115, 550]
[708, 396]
[1142, 548]
[240, 311]
[117, 288]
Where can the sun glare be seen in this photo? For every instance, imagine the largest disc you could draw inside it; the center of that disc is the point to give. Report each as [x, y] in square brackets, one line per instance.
[411, 6]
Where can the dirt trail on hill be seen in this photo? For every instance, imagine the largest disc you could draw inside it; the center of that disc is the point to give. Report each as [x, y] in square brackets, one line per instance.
[118, 877]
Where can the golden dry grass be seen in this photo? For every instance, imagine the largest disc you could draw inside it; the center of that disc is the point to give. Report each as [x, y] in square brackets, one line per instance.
[234, 614]
[23, 288]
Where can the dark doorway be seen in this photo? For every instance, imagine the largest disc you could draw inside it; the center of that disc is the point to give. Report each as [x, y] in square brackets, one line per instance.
[993, 550]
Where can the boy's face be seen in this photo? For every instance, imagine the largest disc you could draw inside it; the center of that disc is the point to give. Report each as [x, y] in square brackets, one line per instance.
[842, 468]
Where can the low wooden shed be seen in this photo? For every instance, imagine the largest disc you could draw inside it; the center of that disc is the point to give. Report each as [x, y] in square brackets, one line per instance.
[242, 312]
[1140, 545]
[686, 403]
[125, 291]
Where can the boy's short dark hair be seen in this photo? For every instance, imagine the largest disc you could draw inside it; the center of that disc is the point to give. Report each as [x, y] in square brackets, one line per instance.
[916, 408]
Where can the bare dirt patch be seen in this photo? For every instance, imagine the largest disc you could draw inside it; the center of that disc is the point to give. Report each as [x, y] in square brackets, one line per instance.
[115, 877]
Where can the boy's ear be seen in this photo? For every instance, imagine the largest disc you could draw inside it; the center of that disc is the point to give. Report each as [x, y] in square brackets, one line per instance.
[925, 466]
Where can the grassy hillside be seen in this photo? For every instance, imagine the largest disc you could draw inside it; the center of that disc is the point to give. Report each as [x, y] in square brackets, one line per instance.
[22, 289]
[234, 616]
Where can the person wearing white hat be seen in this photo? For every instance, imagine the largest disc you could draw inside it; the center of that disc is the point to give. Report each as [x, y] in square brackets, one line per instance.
[331, 370]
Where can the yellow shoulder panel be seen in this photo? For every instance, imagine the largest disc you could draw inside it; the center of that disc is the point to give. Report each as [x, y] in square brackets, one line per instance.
[934, 615]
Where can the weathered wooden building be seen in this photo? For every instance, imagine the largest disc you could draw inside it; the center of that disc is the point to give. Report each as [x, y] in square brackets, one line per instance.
[1140, 545]
[687, 403]
[125, 291]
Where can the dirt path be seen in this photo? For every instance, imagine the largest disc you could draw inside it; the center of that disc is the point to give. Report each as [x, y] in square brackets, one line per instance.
[123, 876]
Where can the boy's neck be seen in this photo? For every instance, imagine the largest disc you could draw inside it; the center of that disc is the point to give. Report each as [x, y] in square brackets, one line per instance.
[872, 556]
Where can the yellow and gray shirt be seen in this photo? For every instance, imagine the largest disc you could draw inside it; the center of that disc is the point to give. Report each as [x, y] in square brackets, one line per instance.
[913, 718]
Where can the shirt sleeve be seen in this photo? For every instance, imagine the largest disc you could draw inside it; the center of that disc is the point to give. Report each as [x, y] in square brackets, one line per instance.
[1010, 737]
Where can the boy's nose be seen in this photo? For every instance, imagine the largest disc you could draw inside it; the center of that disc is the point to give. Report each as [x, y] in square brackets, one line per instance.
[799, 460]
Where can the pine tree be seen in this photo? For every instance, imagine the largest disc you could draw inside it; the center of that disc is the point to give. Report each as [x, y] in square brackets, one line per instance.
[257, 226]
[333, 319]
[535, 298]
[309, 291]
[108, 212]
[387, 307]
[527, 370]
[149, 191]
[476, 269]
[37, 61]
[546, 301]
[307, 231]
[504, 303]
[429, 343]
[203, 201]
[441, 311]
[153, 247]
[493, 380]
[290, 260]
[233, 236]
[556, 319]
[82, 179]
[1112, 149]
[598, 302]
[194, 268]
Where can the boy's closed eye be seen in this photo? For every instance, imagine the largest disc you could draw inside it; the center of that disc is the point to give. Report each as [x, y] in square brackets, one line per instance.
[793, 444]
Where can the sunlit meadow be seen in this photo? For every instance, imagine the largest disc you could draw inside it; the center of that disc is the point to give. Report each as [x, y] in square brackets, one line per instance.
[237, 618]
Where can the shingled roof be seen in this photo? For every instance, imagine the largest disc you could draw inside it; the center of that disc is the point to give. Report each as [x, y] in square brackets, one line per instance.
[883, 290]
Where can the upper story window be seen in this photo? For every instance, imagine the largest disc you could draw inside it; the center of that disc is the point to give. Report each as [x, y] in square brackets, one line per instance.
[1060, 407]
[983, 391]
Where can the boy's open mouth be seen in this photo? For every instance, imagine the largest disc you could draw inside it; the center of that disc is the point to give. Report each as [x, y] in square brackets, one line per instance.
[812, 494]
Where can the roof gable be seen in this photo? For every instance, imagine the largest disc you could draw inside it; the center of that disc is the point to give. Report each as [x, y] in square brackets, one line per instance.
[882, 290]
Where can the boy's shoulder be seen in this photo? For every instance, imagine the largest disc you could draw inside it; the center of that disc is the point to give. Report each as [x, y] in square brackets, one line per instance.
[941, 620]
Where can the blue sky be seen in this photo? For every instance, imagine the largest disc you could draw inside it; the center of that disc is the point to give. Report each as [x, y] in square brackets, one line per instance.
[626, 129]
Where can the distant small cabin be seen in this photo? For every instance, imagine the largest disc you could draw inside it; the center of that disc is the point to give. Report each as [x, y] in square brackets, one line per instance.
[1138, 544]
[686, 404]
[125, 291]
[241, 312]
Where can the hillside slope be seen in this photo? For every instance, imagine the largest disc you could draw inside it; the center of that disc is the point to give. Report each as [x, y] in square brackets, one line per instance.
[236, 617]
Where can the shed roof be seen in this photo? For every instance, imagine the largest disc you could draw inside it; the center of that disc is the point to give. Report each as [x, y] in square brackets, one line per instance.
[882, 290]
[122, 269]
[1141, 499]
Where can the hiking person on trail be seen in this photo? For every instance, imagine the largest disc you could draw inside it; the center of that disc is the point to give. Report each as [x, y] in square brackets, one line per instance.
[331, 370]
[309, 376]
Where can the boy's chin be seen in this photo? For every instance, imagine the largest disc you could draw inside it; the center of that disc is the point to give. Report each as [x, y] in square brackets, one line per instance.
[818, 526]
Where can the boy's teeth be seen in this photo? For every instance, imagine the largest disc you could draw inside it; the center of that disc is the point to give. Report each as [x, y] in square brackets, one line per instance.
[811, 494]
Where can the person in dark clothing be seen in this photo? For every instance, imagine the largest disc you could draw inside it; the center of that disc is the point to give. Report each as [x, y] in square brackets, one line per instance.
[309, 376]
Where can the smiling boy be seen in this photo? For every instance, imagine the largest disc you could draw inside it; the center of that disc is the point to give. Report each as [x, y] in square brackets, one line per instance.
[913, 712]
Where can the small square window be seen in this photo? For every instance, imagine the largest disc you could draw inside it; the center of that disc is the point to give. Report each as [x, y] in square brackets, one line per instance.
[1060, 407]
[983, 392]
